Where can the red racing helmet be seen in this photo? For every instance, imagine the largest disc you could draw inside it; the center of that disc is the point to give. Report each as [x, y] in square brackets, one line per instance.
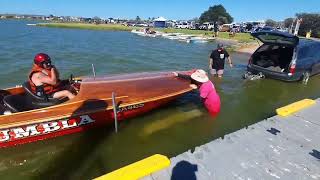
[41, 58]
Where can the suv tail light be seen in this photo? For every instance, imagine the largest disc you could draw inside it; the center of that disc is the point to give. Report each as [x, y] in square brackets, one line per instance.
[292, 69]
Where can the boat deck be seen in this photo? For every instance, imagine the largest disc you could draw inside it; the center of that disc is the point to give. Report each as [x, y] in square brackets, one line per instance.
[275, 148]
[95, 95]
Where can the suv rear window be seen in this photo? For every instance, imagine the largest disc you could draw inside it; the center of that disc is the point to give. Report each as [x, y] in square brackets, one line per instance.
[263, 48]
[275, 39]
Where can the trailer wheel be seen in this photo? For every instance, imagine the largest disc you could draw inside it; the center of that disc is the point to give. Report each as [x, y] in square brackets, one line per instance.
[305, 77]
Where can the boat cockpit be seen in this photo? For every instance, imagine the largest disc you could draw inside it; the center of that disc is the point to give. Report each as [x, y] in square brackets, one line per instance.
[25, 99]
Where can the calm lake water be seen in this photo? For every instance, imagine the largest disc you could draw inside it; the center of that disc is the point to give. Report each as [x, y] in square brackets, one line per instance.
[171, 130]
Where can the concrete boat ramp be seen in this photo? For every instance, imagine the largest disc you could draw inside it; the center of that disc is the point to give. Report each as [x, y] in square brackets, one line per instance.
[275, 148]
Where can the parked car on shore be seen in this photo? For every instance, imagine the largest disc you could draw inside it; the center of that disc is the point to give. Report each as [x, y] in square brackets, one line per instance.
[195, 26]
[142, 25]
[265, 28]
[284, 56]
[208, 26]
[203, 27]
[182, 26]
[225, 27]
[282, 29]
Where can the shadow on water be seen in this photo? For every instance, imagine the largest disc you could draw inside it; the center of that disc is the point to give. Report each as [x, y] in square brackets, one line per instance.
[68, 162]
[184, 170]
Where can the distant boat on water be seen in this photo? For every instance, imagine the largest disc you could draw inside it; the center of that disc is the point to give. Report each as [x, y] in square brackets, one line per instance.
[31, 24]
[143, 33]
[188, 38]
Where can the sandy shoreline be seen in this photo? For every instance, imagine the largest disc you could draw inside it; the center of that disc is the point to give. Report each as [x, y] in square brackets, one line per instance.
[248, 48]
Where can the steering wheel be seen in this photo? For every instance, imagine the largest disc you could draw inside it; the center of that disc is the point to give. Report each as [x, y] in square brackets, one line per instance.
[71, 79]
[74, 83]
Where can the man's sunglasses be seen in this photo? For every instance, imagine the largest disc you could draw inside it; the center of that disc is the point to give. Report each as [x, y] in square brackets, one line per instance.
[47, 63]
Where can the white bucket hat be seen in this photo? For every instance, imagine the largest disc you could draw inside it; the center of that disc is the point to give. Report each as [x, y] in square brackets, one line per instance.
[200, 76]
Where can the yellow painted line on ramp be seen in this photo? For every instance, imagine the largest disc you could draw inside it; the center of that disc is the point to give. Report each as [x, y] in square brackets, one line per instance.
[138, 169]
[294, 107]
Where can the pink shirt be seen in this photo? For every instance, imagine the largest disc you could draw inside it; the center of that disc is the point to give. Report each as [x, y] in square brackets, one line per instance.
[210, 97]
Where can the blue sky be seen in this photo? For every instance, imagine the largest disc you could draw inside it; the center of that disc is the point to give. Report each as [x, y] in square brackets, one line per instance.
[244, 10]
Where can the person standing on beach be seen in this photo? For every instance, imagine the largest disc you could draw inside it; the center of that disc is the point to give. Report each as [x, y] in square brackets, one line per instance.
[217, 59]
[215, 29]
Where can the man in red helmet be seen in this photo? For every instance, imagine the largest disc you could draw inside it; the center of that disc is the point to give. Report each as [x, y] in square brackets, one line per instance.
[44, 79]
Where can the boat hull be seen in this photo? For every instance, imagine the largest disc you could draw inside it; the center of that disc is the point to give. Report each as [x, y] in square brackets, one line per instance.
[74, 124]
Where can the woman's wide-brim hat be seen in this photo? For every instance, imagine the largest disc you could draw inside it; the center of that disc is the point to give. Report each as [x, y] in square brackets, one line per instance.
[200, 76]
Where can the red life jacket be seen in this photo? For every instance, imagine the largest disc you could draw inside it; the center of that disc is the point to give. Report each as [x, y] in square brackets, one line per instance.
[48, 88]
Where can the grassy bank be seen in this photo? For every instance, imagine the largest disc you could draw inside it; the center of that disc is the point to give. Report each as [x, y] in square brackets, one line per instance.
[240, 37]
[110, 27]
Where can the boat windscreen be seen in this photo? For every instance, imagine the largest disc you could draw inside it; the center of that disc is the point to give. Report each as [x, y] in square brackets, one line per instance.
[127, 77]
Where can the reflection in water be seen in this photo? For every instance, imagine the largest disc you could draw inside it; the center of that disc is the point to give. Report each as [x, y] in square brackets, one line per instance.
[167, 122]
[171, 130]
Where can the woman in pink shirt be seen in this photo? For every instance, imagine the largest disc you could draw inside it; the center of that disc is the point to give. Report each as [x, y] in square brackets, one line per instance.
[207, 91]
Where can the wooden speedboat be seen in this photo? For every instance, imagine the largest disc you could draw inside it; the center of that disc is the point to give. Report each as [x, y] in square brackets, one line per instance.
[135, 94]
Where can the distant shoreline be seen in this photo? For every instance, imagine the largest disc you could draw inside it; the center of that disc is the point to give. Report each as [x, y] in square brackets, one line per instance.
[242, 42]
[248, 48]
[240, 37]
[109, 27]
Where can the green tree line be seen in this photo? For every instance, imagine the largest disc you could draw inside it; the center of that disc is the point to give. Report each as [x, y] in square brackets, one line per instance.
[216, 13]
[310, 21]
